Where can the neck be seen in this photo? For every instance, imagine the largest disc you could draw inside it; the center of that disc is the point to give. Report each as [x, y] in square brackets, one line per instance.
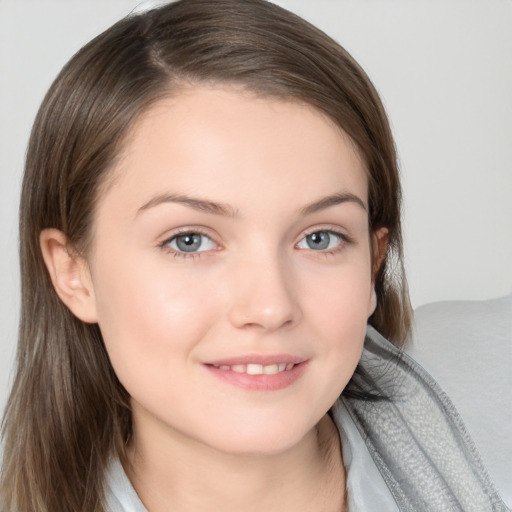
[190, 476]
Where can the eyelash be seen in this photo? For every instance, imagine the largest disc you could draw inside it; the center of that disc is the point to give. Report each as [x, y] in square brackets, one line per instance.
[185, 255]
[344, 240]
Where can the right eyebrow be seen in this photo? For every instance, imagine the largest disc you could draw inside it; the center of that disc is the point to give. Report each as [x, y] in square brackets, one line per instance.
[196, 203]
[332, 200]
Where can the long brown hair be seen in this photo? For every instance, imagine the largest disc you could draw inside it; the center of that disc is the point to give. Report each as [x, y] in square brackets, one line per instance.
[67, 412]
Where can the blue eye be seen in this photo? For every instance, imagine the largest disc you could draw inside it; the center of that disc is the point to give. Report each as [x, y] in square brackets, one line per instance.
[191, 242]
[320, 241]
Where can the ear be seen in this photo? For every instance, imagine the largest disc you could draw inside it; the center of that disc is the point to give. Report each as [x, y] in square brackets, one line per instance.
[379, 248]
[70, 275]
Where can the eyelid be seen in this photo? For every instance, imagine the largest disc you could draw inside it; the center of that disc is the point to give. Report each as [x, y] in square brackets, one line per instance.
[344, 238]
[327, 228]
[199, 230]
[182, 230]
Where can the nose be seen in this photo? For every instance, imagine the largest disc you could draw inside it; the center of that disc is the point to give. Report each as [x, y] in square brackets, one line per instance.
[263, 296]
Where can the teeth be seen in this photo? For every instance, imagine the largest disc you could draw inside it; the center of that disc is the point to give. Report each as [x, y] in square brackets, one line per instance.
[257, 369]
[254, 369]
[271, 369]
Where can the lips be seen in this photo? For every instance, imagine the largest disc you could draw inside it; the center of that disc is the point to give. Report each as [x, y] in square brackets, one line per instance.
[256, 369]
[263, 359]
[259, 372]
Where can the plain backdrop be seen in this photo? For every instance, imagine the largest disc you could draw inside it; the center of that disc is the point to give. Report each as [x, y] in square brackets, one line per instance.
[443, 69]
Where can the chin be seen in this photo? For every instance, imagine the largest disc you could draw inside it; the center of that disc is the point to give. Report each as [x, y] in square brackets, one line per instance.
[267, 440]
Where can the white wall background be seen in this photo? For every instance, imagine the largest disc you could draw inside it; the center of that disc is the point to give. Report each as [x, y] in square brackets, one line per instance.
[444, 70]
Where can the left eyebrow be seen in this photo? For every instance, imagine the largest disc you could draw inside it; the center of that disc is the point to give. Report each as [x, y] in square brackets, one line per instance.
[326, 202]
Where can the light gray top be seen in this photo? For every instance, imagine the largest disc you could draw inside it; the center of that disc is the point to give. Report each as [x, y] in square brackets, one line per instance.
[120, 495]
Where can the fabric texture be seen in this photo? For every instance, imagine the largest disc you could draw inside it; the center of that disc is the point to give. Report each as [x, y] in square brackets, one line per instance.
[466, 345]
[415, 436]
[405, 450]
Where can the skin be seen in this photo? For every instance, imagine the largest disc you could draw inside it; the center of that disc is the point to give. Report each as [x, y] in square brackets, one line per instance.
[255, 287]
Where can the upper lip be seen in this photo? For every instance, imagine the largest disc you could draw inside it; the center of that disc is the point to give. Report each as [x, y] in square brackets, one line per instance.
[263, 359]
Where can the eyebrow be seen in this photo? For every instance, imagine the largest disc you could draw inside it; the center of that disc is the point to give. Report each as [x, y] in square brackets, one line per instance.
[226, 210]
[201, 205]
[333, 200]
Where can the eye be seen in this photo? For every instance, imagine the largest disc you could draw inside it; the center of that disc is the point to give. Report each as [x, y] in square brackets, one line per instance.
[321, 241]
[191, 242]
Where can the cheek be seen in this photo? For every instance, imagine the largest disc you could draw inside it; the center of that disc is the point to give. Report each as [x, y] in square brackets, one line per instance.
[341, 324]
[338, 298]
[337, 307]
[150, 318]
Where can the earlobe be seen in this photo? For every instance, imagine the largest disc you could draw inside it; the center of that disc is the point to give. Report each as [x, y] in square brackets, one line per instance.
[69, 274]
[373, 303]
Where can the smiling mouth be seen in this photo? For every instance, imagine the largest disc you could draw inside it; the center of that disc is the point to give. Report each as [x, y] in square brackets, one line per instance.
[259, 376]
[256, 369]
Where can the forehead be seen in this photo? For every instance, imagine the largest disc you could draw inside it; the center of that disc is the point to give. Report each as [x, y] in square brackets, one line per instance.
[228, 142]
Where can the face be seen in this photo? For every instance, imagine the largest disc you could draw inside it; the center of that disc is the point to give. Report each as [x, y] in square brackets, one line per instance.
[231, 269]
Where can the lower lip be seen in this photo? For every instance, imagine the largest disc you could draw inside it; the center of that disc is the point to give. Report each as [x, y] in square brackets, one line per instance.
[263, 382]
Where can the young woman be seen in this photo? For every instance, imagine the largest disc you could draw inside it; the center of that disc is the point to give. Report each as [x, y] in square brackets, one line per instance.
[210, 241]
